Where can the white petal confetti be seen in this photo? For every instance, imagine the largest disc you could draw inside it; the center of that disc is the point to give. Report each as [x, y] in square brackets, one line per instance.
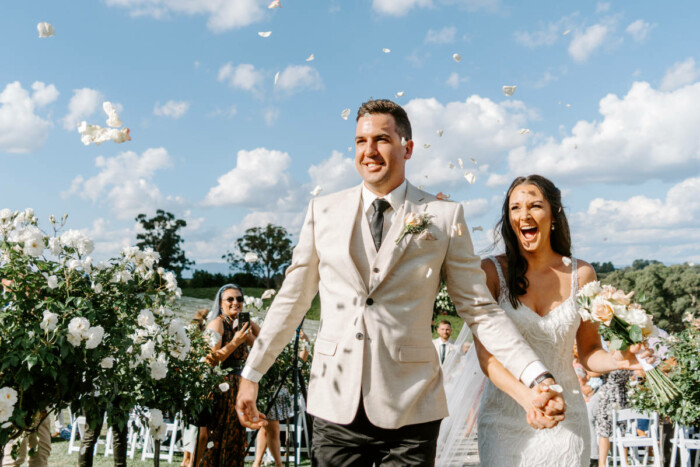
[269, 293]
[317, 191]
[478, 228]
[566, 32]
[556, 388]
[451, 165]
[471, 178]
[473, 160]
[45, 29]
[568, 105]
[210, 444]
[251, 257]
[265, 33]
[457, 57]
[524, 131]
[277, 77]
[426, 146]
[349, 148]
[403, 141]
[461, 164]
[386, 51]
[420, 187]
[345, 114]
[400, 94]
[98, 135]
[442, 196]
[566, 260]
[111, 112]
[223, 387]
[275, 4]
[440, 132]
[429, 273]
[509, 90]
[310, 58]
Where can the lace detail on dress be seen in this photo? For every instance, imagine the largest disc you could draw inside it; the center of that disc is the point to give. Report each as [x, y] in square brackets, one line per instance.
[505, 438]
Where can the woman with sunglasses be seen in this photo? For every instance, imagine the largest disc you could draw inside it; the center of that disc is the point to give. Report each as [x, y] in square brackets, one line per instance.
[226, 435]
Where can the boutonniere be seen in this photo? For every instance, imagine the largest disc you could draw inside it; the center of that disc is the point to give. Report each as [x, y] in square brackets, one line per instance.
[414, 223]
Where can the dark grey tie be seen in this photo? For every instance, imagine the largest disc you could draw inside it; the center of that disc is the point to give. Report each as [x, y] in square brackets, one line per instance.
[442, 354]
[376, 222]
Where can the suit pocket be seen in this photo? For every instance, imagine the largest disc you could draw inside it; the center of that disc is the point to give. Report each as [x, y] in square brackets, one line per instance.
[416, 354]
[325, 347]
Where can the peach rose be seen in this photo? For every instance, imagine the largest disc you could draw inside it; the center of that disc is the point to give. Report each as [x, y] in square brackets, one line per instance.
[602, 312]
[412, 220]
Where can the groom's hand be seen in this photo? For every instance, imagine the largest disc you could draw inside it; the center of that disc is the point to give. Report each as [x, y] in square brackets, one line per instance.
[246, 409]
[551, 403]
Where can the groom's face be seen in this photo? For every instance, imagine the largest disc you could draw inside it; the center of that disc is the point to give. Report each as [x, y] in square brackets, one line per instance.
[380, 154]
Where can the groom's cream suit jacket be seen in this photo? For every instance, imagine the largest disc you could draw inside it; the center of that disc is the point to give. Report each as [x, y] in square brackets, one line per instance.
[374, 339]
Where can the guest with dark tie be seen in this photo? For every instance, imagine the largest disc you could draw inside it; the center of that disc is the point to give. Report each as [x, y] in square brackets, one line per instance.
[443, 344]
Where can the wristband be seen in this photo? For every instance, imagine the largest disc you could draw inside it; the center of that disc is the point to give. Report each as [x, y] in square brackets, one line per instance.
[540, 378]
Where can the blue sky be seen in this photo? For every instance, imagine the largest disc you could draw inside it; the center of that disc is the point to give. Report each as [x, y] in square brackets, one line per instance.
[607, 90]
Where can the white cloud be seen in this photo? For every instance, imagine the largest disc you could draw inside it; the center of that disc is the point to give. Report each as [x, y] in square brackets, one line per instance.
[475, 128]
[21, 130]
[445, 35]
[647, 134]
[271, 115]
[454, 80]
[259, 178]
[109, 240]
[172, 109]
[639, 30]
[585, 43]
[84, 103]
[126, 182]
[602, 7]
[243, 76]
[223, 15]
[402, 7]
[679, 75]
[474, 208]
[547, 78]
[298, 77]
[546, 34]
[334, 174]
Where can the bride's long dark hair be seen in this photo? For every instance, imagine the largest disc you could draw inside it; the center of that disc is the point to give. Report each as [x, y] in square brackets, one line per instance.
[560, 237]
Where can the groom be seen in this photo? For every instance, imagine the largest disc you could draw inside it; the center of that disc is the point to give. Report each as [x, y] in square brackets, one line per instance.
[376, 387]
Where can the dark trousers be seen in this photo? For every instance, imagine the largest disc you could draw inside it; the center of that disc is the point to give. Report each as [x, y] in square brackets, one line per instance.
[89, 439]
[362, 444]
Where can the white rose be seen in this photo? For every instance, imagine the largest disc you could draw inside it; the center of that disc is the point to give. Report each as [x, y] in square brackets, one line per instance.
[94, 337]
[250, 257]
[74, 340]
[49, 322]
[33, 242]
[8, 396]
[146, 318]
[97, 287]
[74, 264]
[55, 246]
[212, 337]
[107, 362]
[5, 215]
[223, 387]
[159, 367]
[148, 350]
[79, 326]
[176, 326]
[51, 281]
[5, 413]
[155, 418]
[590, 290]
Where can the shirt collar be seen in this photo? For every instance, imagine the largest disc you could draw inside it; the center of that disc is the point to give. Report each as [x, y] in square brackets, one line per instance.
[396, 198]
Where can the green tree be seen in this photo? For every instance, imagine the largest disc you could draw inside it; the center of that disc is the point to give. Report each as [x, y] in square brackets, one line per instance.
[272, 245]
[603, 268]
[161, 233]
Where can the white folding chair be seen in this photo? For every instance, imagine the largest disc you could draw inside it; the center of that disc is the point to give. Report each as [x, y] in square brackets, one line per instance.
[149, 443]
[78, 424]
[685, 441]
[626, 437]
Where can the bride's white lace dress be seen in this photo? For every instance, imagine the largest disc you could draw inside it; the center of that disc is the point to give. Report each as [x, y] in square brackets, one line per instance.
[505, 438]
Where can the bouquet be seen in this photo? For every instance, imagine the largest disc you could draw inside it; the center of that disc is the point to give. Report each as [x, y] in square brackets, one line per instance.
[623, 323]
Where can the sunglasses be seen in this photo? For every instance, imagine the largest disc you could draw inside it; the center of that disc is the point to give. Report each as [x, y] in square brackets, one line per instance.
[238, 299]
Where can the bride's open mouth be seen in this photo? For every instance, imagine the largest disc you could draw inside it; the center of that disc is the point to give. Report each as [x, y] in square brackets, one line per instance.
[529, 233]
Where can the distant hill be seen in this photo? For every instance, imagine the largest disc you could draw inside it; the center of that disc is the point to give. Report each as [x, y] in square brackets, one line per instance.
[214, 268]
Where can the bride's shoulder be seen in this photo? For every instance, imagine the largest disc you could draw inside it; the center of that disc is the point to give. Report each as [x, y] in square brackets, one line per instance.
[585, 272]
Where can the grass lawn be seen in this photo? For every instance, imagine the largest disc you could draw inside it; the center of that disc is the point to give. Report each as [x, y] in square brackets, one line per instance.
[209, 293]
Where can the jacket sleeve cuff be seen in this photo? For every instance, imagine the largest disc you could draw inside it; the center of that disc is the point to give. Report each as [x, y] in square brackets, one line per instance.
[255, 376]
[532, 371]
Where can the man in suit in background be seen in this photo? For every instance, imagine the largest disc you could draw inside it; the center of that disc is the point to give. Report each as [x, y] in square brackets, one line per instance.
[443, 344]
[376, 254]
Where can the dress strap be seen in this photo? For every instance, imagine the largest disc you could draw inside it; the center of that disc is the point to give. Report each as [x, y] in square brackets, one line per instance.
[574, 278]
[502, 285]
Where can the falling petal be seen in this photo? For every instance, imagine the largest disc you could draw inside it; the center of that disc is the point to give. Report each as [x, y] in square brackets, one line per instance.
[442, 196]
[568, 105]
[111, 112]
[251, 257]
[98, 135]
[310, 58]
[420, 187]
[425, 176]
[275, 4]
[345, 114]
[556, 388]
[426, 145]
[269, 293]
[429, 273]
[277, 77]
[45, 29]
[223, 387]
[450, 165]
[400, 94]
[349, 148]
[471, 178]
[439, 133]
[461, 164]
[566, 260]
[524, 131]
[566, 32]
[457, 57]
[210, 444]
[478, 228]
[265, 34]
[386, 51]
[317, 191]
[474, 161]
[403, 141]
[509, 90]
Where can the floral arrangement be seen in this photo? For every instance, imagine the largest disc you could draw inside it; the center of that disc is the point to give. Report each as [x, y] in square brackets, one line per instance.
[101, 336]
[414, 223]
[683, 362]
[623, 323]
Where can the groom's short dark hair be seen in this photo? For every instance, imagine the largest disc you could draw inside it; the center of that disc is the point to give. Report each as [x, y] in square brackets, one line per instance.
[385, 106]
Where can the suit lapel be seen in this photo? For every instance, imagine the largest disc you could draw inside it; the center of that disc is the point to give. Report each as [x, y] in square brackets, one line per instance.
[390, 252]
[346, 225]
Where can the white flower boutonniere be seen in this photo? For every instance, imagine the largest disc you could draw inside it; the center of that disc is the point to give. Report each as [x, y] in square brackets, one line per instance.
[414, 223]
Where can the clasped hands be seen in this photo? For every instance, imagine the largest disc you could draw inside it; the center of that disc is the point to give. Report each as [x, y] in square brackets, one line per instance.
[546, 407]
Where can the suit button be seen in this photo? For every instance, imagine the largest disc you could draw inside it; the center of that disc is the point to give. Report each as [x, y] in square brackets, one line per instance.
[375, 270]
[359, 336]
[369, 301]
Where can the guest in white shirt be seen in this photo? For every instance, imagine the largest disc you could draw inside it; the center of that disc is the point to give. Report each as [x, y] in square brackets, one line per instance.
[443, 344]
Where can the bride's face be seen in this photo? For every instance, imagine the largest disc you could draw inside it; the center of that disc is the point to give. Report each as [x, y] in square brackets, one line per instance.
[530, 217]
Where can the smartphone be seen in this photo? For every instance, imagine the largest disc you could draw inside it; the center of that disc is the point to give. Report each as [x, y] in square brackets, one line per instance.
[243, 317]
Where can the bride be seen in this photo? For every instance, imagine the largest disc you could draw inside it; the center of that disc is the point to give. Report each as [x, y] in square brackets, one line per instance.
[535, 282]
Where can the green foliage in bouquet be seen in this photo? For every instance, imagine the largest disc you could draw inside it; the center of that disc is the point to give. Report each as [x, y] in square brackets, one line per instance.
[684, 363]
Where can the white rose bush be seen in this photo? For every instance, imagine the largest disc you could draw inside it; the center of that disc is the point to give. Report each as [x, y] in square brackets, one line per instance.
[623, 323]
[95, 336]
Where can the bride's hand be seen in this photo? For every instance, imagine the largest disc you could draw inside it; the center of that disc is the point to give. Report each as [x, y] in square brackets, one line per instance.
[548, 401]
[540, 421]
[629, 359]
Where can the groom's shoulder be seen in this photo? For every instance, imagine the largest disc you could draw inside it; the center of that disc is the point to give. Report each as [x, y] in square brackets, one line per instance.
[334, 197]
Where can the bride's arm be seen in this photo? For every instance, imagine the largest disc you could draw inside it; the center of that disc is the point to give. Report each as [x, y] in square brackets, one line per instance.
[590, 349]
